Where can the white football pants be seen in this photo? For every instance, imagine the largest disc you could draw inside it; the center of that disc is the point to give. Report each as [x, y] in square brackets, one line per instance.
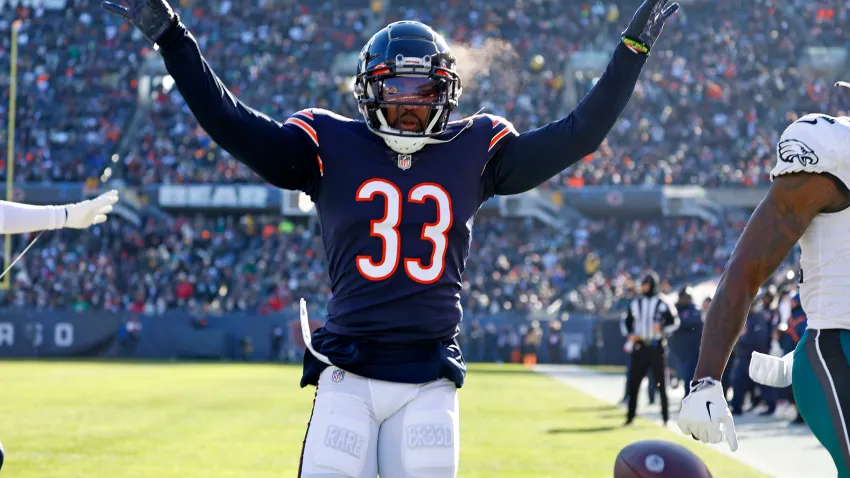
[361, 428]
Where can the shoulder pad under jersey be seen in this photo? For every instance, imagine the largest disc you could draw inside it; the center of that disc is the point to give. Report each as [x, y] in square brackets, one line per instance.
[497, 129]
[809, 145]
[308, 119]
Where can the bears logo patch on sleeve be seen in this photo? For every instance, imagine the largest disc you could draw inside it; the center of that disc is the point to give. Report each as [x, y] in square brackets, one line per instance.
[791, 150]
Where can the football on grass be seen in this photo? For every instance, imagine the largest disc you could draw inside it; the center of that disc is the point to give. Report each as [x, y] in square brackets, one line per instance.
[658, 459]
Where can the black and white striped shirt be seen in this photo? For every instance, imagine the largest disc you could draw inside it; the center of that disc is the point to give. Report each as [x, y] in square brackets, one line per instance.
[643, 313]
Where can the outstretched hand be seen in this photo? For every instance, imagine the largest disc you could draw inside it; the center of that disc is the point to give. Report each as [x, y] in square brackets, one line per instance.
[646, 25]
[152, 17]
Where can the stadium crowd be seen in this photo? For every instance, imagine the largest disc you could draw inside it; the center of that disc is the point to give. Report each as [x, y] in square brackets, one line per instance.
[517, 269]
[224, 264]
[707, 110]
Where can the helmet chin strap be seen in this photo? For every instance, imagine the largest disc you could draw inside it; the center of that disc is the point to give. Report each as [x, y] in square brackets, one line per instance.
[395, 139]
[412, 144]
[403, 144]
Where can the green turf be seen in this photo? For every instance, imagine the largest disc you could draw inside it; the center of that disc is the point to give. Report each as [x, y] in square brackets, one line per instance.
[104, 420]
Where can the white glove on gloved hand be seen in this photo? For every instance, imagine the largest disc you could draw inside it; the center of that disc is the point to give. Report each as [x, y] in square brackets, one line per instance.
[705, 415]
[772, 371]
[93, 211]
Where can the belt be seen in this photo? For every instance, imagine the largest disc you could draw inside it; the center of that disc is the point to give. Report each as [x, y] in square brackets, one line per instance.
[652, 343]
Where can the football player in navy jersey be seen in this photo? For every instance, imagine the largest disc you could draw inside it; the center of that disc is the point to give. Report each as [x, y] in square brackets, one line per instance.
[396, 194]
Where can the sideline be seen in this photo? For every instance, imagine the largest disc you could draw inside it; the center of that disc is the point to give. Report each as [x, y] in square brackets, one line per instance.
[767, 444]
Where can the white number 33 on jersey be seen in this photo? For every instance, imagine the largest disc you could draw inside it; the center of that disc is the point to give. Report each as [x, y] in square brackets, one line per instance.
[387, 229]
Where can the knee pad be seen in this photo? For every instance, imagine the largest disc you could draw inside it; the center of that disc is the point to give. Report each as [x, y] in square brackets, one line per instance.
[339, 440]
[431, 442]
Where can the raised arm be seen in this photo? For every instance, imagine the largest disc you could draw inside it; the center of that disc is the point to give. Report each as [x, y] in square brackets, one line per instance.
[808, 180]
[527, 160]
[777, 224]
[280, 154]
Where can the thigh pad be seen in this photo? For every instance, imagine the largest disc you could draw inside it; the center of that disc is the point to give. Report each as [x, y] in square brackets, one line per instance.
[431, 434]
[342, 438]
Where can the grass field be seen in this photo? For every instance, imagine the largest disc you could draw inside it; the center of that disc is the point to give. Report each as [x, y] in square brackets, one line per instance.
[144, 420]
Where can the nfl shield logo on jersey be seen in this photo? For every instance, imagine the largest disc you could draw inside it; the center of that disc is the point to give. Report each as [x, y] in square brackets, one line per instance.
[405, 161]
[337, 375]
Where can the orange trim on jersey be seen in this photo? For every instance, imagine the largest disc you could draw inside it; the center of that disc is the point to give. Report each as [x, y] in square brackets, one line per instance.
[306, 113]
[501, 134]
[321, 165]
[305, 127]
[507, 128]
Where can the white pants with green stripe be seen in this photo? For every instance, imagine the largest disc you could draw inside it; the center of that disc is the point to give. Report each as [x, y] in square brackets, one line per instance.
[821, 382]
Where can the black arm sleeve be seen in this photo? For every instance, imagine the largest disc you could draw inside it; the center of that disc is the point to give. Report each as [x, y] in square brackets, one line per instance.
[531, 158]
[627, 326]
[280, 154]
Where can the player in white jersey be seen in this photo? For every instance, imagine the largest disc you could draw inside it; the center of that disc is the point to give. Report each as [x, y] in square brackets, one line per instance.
[17, 218]
[807, 202]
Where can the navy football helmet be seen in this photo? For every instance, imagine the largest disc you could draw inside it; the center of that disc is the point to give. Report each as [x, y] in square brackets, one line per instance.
[406, 64]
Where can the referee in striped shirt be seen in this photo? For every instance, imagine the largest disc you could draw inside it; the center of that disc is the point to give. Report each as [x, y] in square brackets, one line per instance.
[647, 323]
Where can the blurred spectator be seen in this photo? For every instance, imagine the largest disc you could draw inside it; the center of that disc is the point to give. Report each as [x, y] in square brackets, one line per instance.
[708, 109]
[685, 342]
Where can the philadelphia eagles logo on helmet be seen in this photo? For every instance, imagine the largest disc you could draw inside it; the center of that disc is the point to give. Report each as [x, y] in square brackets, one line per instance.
[791, 150]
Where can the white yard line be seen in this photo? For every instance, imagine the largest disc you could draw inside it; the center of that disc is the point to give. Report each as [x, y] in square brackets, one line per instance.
[767, 444]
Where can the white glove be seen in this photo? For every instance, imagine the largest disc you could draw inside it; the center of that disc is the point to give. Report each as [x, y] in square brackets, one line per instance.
[705, 415]
[772, 371]
[93, 211]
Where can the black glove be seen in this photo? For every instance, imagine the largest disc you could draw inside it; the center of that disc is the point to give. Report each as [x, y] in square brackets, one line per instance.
[152, 17]
[647, 23]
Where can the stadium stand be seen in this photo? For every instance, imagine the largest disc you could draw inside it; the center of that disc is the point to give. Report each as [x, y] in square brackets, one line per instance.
[93, 103]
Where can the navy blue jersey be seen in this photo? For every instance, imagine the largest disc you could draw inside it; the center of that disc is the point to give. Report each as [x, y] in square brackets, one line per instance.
[396, 229]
